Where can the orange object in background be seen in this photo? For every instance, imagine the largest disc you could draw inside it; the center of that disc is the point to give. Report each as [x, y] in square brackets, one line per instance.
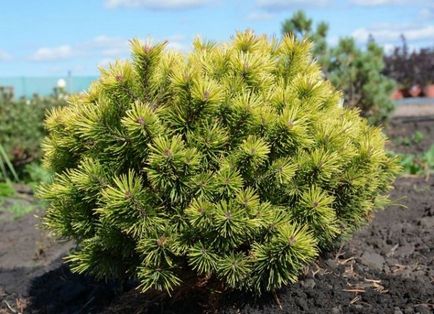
[428, 91]
[415, 91]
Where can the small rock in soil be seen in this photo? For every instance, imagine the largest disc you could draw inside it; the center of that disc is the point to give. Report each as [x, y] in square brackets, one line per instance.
[331, 263]
[397, 311]
[372, 260]
[391, 261]
[302, 304]
[405, 250]
[427, 222]
[308, 283]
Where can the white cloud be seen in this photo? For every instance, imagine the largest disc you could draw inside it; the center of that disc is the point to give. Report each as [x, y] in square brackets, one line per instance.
[427, 12]
[177, 42]
[115, 47]
[103, 46]
[114, 52]
[373, 3]
[104, 40]
[104, 63]
[108, 46]
[276, 5]
[4, 56]
[392, 33]
[157, 4]
[176, 46]
[53, 53]
[259, 16]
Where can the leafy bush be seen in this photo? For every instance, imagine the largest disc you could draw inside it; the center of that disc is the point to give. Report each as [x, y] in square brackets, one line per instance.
[410, 68]
[418, 164]
[233, 163]
[21, 128]
[6, 189]
[354, 71]
[399, 67]
[411, 140]
[358, 74]
[7, 170]
[36, 174]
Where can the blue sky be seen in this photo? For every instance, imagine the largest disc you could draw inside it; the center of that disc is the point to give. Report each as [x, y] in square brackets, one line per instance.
[52, 37]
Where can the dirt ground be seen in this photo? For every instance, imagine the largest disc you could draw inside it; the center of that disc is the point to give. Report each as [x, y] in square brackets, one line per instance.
[401, 132]
[387, 267]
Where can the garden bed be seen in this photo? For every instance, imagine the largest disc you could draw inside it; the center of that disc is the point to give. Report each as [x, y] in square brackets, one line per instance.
[387, 267]
[401, 131]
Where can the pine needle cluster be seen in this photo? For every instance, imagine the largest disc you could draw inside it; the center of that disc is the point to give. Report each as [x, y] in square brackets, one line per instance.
[233, 162]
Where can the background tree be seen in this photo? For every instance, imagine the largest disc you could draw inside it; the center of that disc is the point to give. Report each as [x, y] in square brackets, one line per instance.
[22, 128]
[302, 27]
[410, 68]
[356, 72]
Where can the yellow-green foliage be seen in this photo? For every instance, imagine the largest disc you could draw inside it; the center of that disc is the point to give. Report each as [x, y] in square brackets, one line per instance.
[234, 161]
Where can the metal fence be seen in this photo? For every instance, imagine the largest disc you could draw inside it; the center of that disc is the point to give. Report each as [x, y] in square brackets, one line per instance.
[27, 86]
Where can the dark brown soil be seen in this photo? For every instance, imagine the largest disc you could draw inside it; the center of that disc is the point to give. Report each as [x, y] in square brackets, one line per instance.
[387, 267]
[402, 130]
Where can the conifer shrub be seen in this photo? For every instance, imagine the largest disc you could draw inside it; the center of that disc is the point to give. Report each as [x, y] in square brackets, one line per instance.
[233, 163]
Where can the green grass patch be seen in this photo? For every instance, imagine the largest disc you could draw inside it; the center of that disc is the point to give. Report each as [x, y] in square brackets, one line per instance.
[418, 164]
[414, 139]
[6, 189]
[18, 210]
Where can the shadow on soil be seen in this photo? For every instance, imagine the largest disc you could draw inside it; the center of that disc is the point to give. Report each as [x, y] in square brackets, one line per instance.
[60, 291]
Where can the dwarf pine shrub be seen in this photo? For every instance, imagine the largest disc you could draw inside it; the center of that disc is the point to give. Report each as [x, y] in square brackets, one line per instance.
[234, 162]
[356, 72]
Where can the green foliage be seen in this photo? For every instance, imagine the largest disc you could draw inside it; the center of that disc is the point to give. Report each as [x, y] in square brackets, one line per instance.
[6, 189]
[234, 162]
[21, 130]
[7, 170]
[413, 139]
[356, 72]
[418, 164]
[19, 209]
[36, 174]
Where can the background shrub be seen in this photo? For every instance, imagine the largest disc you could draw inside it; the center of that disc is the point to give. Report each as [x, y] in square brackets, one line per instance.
[22, 128]
[356, 72]
[234, 163]
[410, 68]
